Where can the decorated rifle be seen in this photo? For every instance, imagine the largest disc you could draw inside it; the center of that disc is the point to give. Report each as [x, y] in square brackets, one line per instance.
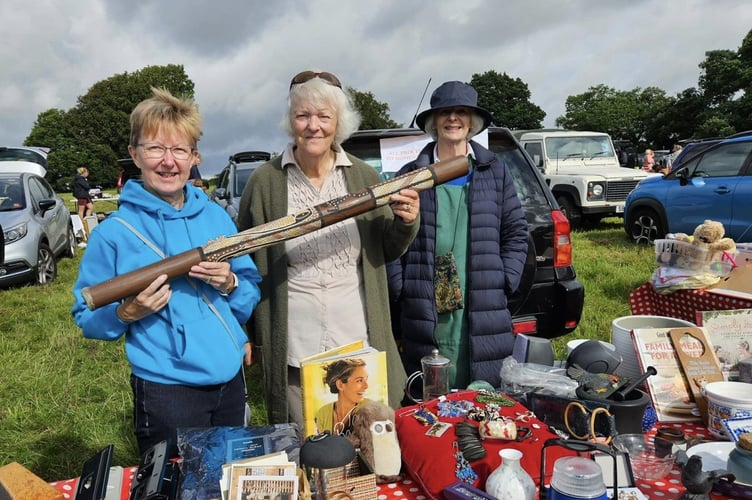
[290, 226]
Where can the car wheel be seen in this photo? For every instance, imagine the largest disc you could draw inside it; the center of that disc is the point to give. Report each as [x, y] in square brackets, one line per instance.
[645, 226]
[570, 210]
[70, 249]
[46, 265]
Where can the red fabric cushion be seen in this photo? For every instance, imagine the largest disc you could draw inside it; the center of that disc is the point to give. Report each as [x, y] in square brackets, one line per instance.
[430, 460]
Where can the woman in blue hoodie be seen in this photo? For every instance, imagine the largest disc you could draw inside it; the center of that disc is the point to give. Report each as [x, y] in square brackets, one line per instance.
[183, 338]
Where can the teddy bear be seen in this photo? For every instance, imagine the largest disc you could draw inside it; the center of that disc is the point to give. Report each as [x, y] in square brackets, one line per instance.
[710, 236]
[374, 433]
[707, 242]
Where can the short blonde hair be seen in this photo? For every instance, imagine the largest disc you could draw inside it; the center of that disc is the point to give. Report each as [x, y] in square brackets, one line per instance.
[165, 110]
[321, 93]
[82, 170]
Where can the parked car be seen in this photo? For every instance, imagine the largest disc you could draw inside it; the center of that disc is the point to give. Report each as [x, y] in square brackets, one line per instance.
[128, 170]
[550, 299]
[233, 177]
[37, 228]
[583, 172]
[25, 153]
[713, 182]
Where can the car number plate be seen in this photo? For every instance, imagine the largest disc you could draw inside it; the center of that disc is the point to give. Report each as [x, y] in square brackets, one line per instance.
[619, 209]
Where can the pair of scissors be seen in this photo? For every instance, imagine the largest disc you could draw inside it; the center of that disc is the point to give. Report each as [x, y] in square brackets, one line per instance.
[590, 435]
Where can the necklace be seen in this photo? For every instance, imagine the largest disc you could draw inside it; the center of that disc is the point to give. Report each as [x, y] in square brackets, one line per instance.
[342, 424]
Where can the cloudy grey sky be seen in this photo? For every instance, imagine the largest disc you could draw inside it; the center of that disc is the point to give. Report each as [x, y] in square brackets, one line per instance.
[241, 54]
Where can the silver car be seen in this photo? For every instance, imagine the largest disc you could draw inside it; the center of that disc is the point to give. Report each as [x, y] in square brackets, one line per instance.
[233, 178]
[36, 226]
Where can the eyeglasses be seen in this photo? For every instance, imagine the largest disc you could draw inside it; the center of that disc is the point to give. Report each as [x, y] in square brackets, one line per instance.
[155, 151]
[305, 76]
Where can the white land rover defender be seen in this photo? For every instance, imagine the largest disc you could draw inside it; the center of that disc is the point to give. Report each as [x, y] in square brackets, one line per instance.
[583, 172]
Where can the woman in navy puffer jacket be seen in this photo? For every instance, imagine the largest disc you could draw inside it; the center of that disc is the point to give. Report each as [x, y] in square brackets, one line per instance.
[474, 223]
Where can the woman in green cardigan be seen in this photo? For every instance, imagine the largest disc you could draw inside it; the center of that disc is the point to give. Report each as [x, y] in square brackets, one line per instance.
[327, 288]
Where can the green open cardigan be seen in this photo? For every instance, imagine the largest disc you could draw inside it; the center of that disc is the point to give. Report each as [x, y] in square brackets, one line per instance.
[383, 237]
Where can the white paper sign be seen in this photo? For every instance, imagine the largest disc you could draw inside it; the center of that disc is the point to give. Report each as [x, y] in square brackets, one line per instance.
[397, 151]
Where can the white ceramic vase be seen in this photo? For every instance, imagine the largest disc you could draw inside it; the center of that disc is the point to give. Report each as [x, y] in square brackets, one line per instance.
[509, 481]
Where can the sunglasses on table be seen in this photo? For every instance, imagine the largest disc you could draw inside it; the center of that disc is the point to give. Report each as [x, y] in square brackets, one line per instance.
[305, 76]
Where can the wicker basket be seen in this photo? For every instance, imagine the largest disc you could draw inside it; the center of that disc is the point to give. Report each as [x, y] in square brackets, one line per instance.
[684, 255]
[356, 480]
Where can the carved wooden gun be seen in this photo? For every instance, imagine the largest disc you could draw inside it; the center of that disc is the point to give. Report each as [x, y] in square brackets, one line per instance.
[291, 226]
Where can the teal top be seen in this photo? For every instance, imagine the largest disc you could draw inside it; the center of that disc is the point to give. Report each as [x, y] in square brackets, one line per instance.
[452, 235]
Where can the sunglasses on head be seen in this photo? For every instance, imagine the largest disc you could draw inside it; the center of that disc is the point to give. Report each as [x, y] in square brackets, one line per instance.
[305, 76]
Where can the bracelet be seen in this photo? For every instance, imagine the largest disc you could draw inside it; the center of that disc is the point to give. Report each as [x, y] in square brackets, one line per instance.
[494, 398]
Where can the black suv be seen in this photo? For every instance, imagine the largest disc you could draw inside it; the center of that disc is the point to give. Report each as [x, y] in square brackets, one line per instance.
[233, 177]
[550, 299]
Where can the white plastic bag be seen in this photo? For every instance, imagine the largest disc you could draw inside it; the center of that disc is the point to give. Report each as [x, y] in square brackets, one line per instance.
[518, 378]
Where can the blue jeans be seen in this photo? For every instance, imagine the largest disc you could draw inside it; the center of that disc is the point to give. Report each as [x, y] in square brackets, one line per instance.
[159, 409]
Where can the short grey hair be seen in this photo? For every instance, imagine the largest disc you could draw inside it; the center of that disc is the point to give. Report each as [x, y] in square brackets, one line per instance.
[476, 124]
[321, 93]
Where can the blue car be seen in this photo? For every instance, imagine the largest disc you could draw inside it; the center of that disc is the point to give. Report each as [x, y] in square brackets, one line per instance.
[712, 183]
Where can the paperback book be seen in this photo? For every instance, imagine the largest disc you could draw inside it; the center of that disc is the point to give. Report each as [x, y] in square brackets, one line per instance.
[669, 388]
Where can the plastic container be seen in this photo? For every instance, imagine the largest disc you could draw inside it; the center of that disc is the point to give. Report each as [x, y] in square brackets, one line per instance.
[577, 478]
[627, 414]
[727, 400]
[683, 255]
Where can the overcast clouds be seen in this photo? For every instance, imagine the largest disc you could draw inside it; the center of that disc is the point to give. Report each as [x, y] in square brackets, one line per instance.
[241, 54]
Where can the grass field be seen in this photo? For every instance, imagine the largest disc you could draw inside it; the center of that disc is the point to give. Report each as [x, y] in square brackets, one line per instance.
[63, 398]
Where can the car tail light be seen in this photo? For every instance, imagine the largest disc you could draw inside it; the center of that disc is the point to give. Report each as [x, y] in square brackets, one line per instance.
[526, 325]
[562, 239]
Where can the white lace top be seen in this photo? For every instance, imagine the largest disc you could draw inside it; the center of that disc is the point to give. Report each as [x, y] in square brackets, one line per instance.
[325, 284]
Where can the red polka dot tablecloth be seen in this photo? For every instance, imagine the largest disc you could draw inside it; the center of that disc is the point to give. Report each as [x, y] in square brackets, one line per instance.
[668, 488]
[681, 304]
[406, 489]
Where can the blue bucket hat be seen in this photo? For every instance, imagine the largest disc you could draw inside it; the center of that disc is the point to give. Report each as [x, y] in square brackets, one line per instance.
[451, 94]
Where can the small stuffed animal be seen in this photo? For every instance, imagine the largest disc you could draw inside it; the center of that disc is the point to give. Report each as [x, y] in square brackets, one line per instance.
[709, 235]
[373, 432]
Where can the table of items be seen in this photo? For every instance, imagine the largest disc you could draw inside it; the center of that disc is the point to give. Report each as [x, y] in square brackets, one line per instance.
[681, 304]
[668, 488]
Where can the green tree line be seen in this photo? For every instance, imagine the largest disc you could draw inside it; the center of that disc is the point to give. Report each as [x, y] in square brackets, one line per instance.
[95, 131]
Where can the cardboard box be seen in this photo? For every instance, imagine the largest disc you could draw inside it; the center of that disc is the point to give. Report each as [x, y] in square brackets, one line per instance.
[19, 483]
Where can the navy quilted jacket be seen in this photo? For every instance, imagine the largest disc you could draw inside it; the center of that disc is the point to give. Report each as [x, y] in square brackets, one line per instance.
[497, 252]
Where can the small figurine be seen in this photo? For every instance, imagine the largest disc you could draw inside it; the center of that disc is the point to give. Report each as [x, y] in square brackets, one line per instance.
[697, 481]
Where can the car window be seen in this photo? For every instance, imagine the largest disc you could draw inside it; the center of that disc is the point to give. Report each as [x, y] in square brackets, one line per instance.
[16, 154]
[241, 178]
[222, 182]
[725, 161]
[12, 195]
[526, 182]
[535, 150]
[38, 191]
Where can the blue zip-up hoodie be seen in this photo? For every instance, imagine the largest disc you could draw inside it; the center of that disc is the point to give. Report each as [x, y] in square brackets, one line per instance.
[497, 249]
[185, 342]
